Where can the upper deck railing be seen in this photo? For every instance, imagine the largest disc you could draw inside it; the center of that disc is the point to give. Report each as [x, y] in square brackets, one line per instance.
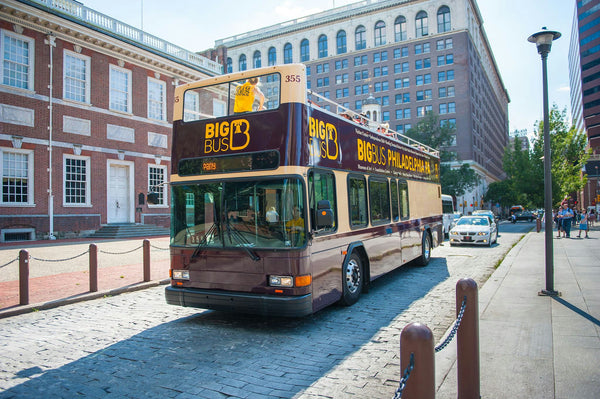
[110, 25]
[379, 128]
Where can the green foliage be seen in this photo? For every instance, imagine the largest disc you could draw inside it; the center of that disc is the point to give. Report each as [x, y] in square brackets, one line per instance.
[429, 131]
[525, 170]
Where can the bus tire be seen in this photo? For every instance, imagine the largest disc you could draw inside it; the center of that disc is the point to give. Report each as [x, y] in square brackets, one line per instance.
[352, 280]
[423, 260]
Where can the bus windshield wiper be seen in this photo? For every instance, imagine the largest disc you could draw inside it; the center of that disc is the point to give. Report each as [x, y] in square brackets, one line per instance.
[204, 240]
[232, 232]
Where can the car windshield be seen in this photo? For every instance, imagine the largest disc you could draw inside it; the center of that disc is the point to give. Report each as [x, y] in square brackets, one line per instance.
[479, 221]
[241, 214]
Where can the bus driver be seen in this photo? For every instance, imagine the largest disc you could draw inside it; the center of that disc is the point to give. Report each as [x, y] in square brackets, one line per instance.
[245, 94]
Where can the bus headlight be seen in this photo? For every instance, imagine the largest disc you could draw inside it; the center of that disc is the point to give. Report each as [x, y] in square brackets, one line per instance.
[181, 274]
[281, 281]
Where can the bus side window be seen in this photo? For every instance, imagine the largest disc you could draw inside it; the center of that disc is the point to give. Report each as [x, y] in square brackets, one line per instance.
[322, 187]
[403, 192]
[395, 210]
[357, 201]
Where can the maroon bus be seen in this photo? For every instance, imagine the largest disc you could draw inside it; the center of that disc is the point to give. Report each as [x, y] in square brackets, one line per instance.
[287, 207]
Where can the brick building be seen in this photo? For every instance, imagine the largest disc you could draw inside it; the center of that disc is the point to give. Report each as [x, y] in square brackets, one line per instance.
[85, 119]
[412, 56]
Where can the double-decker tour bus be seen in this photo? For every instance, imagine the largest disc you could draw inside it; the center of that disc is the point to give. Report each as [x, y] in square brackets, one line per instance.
[281, 207]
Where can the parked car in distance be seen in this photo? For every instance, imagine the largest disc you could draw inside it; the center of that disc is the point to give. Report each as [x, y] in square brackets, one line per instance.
[525, 215]
[480, 230]
[480, 212]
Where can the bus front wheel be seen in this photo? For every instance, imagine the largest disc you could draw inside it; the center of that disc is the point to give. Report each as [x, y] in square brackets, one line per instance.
[352, 280]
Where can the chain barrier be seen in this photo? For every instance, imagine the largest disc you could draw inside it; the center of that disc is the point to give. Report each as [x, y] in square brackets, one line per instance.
[120, 253]
[454, 327]
[6, 264]
[402, 385]
[159, 248]
[58, 260]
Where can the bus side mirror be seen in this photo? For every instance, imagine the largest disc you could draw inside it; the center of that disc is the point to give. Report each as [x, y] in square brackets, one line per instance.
[324, 217]
[152, 198]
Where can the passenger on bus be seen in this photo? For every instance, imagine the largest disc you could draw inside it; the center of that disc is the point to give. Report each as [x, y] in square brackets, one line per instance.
[272, 216]
[295, 226]
[245, 95]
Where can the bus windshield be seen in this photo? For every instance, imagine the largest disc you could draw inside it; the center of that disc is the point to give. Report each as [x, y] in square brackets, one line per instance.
[259, 93]
[239, 214]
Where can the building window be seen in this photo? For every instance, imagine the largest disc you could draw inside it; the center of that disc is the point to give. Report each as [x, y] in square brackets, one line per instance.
[76, 77]
[443, 109]
[156, 179]
[272, 56]
[242, 63]
[304, 50]
[380, 33]
[287, 53]
[400, 29]
[229, 65]
[322, 46]
[120, 89]
[17, 60]
[191, 102]
[421, 24]
[17, 177]
[76, 180]
[256, 60]
[341, 42]
[451, 108]
[443, 19]
[157, 99]
[360, 37]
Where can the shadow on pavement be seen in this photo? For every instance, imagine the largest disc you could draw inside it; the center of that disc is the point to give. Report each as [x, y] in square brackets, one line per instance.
[232, 354]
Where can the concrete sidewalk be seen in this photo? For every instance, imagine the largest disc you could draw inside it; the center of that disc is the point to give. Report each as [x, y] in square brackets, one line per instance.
[535, 346]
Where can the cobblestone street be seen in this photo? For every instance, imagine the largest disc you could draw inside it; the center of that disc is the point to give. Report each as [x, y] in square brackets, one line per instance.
[134, 345]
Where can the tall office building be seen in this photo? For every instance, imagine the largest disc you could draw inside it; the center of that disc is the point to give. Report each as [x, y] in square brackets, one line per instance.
[584, 73]
[412, 56]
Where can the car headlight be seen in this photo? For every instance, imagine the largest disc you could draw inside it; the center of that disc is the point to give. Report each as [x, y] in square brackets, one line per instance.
[281, 281]
[454, 232]
[482, 233]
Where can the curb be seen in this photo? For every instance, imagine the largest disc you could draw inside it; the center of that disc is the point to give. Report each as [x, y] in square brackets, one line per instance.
[17, 310]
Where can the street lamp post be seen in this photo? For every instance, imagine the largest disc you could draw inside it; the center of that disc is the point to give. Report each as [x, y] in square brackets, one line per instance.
[543, 41]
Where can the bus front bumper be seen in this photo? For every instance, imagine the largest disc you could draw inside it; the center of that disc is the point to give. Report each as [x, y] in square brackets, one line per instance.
[266, 305]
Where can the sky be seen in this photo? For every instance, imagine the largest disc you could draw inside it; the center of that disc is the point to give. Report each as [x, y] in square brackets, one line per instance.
[196, 24]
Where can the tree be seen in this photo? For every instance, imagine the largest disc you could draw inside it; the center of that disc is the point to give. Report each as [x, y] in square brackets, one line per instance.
[524, 184]
[569, 155]
[431, 132]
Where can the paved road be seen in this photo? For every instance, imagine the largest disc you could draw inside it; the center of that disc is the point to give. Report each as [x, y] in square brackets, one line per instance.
[134, 345]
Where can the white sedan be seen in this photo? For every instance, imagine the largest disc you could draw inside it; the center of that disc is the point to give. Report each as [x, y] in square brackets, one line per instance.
[473, 230]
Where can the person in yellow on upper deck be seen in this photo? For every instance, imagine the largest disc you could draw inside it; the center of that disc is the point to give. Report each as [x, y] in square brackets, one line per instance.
[245, 95]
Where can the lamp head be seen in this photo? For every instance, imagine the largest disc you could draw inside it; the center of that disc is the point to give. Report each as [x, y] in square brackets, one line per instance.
[543, 40]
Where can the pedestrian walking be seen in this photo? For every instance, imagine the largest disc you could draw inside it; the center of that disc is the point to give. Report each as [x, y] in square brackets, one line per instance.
[567, 219]
[583, 224]
[558, 221]
[592, 217]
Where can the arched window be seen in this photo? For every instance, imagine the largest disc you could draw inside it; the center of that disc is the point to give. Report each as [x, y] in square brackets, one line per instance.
[379, 33]
[256, 63]
[360, 37]
[272, 56]
[287, 54]
[304, 50]
[242, 62]
[322, 46]
[229, 65]
[443, 19]
[341, 42]
[400, 29]
[421, 24]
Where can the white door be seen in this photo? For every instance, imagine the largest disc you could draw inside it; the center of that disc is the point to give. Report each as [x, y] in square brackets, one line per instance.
[118, 194]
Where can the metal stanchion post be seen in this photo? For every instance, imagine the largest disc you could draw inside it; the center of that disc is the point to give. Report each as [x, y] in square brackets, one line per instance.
[467, 340]
[417, 338]
[23, 277]
[146, 260]
[93, 268]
